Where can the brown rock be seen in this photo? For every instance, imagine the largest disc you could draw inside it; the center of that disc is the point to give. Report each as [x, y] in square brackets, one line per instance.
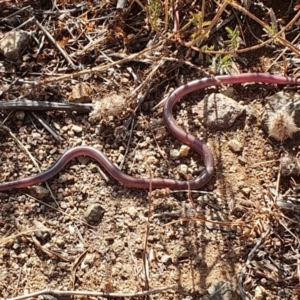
[94, 213]
[81, 93]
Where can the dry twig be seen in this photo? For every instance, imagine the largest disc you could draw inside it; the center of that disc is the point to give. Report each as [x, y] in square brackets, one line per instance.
[100, 68]
[60, 293]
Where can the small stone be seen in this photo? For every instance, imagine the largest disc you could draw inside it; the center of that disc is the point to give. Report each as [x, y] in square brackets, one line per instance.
[233, 169]
[160, 133]
[38, 192]
[182, 170]
[60, 242]
[212, 226]
[93, 168]
[235, 146]
[76, 128]
[81, 93]
[260, 293]
[70, 133]
[121, 158]
[118, 247]
[20, 115]
[174, 153]
[242, 160]
[184, 150]
[56, 125]
[68, 121]
[60, 196]
[53, 150]
[132, 211]
[71, 229]
[13, 43]
[180, 252]
[220, 290]
[16, 246]
[166, 259]
[151, 160]
[23, 257]
[35, 137]
[246, 191]
[217, 111]
[66, 178]
[63, 205]
[240, 184]
[41, 231]
[84, 160]
[115, 271]
[89, 259]
[94, 213]
[65, 129]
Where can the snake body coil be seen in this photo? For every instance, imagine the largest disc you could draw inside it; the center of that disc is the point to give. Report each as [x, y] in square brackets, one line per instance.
[186, 138]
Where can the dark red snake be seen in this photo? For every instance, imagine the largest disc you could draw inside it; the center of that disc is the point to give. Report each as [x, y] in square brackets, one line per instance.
[184, 137]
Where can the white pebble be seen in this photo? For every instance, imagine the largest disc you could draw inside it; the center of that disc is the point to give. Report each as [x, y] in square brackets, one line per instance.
[184, 150]
[76, 128]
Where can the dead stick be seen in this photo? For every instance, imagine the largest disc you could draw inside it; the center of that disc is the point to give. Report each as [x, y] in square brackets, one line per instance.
[25, 104]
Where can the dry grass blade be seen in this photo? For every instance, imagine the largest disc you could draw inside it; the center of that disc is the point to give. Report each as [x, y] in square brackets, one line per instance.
[282, 55]
[49, 253]
[47, 126]
[276, 36]
[76, 265]
[202, 219]
[100, 68]
[60, 293]
[206, 31]
[32, 239]
[9, 238]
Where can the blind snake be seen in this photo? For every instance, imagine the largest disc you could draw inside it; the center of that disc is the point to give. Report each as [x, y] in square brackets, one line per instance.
[186, 138]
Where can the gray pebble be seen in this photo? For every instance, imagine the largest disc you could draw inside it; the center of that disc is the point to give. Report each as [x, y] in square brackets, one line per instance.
[94, 213]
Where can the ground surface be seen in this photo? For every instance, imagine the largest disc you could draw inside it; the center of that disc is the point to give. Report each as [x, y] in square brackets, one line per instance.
[142, 240]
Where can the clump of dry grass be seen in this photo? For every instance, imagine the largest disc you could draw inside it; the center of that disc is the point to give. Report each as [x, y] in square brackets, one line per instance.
[112, 105]
[281, 125]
